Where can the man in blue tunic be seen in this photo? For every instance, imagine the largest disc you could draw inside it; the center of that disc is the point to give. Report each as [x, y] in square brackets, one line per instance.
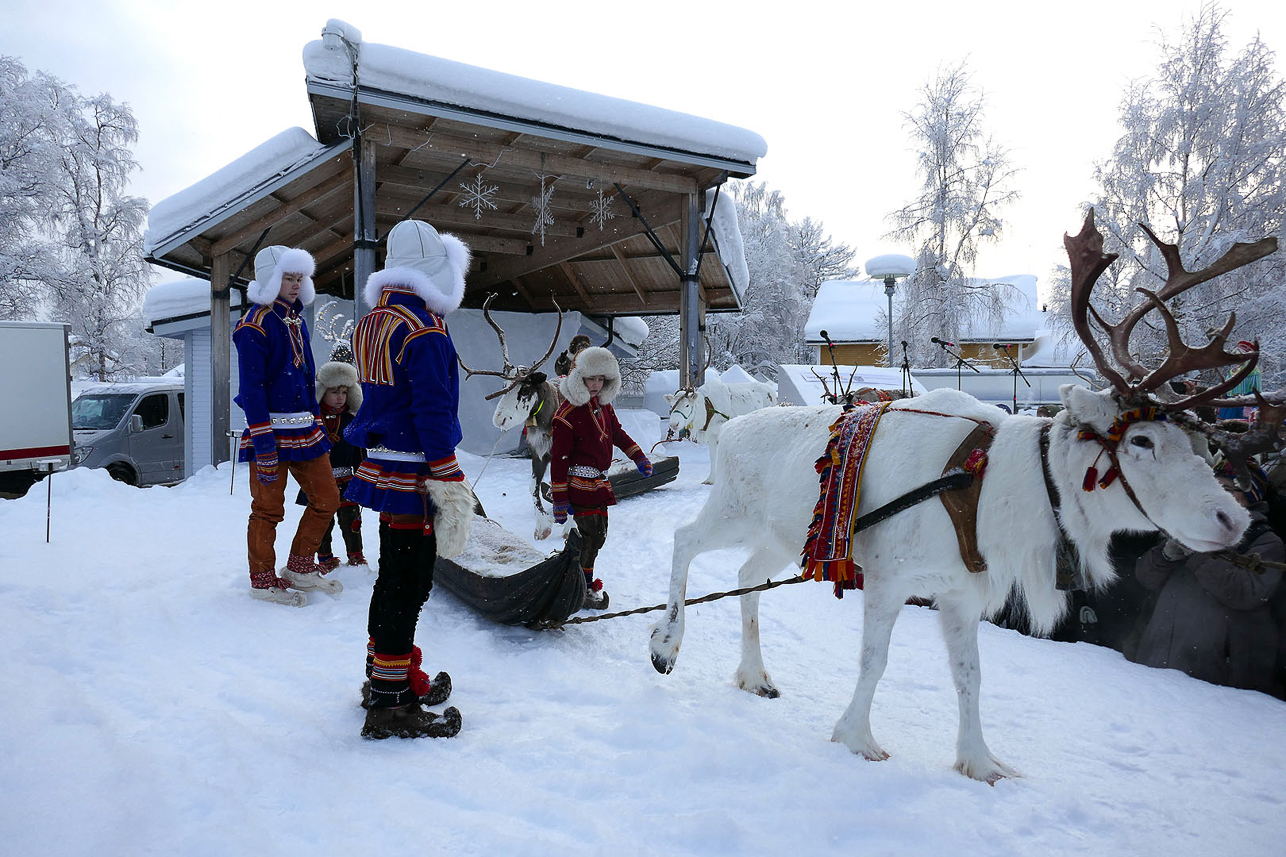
[283, 426]
[409, 427]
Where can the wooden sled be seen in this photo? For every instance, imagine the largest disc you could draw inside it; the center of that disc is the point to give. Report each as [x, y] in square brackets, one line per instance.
[627, 481]
[508, 581]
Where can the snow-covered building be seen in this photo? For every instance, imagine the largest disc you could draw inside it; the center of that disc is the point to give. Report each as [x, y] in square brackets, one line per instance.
[568, 199]
[854, 314]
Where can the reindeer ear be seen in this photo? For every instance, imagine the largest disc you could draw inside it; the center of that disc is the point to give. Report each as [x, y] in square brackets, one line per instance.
[669, 398]
[1086, 407]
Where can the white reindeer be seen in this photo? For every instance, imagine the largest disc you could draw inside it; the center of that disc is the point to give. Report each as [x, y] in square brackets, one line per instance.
[529, 399]
[700, 414]
[768, 487]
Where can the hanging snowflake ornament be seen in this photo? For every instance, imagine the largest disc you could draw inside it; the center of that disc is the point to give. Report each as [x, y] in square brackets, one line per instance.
[600, 210]
[544, 211]
[477, 195]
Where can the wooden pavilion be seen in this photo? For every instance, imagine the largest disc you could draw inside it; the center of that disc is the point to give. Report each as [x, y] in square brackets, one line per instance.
[596, 204]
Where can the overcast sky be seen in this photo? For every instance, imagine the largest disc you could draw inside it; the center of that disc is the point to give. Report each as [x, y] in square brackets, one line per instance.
[825, 84]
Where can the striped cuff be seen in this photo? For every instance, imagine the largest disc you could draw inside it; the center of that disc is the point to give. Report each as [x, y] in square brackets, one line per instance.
[446, 470]
[633, 452]
[392, 668]
[558, 492]
[266, 461]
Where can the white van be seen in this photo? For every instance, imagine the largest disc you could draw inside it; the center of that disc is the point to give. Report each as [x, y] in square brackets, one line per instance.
[133, 429]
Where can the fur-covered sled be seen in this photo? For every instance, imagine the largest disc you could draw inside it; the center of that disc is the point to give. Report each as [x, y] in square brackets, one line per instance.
[507, 580]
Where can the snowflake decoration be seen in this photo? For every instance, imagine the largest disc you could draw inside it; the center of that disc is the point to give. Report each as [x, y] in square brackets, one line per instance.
[544, 212]
[477, 195]
[600, 210]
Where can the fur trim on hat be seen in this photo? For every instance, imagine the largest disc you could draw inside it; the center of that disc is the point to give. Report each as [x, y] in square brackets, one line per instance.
[271, 263]
[442, 292]
[592, 361]
[335, 374]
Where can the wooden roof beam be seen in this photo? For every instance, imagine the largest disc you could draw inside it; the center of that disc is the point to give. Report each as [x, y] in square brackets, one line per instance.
[572, 278]
[454, 215]
[337, 174]
[629, 275]
[552, 164]
[659, 210]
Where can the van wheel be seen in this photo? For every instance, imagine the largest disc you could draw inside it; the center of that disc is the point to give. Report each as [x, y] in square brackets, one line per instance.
[122, 473]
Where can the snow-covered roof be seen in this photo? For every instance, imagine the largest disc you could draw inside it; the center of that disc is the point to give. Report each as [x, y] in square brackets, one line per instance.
[231, 188]
[727, 241]
[500, 95]
[856, 311]
[179, 299]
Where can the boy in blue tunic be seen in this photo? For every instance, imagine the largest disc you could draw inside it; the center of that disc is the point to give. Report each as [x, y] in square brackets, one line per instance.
[409, 427]
[283, 426]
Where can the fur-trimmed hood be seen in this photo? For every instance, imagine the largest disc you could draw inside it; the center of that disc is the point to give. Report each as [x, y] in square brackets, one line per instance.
[420, 258]
[271, 263]
[592, 361]
[336, 374]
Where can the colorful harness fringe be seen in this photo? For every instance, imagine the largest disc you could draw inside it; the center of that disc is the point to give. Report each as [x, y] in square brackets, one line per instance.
[828, 548]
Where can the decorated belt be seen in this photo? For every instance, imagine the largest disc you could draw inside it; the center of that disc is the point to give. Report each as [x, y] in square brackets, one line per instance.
[393, 454]
[341, 472]
[301, 418]
[585, 471]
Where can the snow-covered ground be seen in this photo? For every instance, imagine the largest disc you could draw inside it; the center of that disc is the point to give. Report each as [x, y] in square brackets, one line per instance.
[154, 708]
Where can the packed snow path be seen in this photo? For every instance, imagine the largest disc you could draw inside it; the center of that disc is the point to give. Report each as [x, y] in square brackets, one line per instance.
[153, 707]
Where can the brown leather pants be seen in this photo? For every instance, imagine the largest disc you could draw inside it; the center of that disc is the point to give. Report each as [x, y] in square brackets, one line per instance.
[268, 508]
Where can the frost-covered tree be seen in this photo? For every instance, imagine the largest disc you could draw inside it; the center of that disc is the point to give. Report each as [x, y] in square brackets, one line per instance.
[70, 234]
[102, 275]
[1200, 160]
[965, 179]
[30, 124]
[787, 262]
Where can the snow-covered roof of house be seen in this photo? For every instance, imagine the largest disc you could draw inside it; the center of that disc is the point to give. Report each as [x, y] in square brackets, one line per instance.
[502, 96]
[857, 311]
[234, 186]
[179, 299]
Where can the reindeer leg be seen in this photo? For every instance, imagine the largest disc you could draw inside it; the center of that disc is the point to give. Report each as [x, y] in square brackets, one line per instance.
[712, 440]
[960, 629]
[667, 635]
[544, 521]
[751, 675]
[880, 611]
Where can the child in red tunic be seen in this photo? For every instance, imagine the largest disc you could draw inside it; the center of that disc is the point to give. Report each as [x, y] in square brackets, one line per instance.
[585, 430]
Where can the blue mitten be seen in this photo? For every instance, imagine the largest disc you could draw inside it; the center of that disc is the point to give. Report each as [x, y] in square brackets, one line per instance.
[644, 466]
[560, 513]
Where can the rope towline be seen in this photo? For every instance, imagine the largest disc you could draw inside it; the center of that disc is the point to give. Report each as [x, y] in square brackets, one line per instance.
[550, 624]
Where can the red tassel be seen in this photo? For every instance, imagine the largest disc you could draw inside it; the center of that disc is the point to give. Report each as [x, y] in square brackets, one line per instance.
[1091, 476]
[1109, 477]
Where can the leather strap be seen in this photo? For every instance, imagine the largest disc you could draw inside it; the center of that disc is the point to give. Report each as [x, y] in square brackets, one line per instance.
[962, 503]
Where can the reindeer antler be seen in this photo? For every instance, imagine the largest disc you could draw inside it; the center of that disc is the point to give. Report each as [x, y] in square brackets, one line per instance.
[511, 373]
[1088, 262]
[508, 371]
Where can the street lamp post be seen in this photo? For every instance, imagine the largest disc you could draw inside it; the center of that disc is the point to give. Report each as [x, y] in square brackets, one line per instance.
[889, 268]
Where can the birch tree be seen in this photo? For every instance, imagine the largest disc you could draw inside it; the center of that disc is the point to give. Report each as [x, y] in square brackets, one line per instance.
[965, 183]
[1200, 160]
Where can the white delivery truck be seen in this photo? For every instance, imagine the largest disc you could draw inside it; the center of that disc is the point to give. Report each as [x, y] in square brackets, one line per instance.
[35, 429]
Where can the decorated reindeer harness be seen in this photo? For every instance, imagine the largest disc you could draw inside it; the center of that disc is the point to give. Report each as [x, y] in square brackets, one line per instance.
[827, 551]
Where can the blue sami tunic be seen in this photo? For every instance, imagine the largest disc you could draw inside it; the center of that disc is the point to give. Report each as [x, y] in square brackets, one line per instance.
[276, 372]
[410, 398]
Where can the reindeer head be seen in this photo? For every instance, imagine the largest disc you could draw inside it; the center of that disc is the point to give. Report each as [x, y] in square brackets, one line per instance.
[1132, 430]
[521, 394]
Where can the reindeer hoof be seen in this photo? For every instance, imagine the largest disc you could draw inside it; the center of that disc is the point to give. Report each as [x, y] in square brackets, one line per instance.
[543, 533]
[664, 653]
[988, 770]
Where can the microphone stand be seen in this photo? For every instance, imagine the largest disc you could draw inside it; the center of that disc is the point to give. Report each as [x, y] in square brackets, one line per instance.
[961, 361]
[908, 389]
[1016, 372]
[830, 347]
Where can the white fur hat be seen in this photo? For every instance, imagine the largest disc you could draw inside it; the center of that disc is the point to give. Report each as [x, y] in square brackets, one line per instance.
[337, 374]
[432, 264]
[271, 263]
[589, 362]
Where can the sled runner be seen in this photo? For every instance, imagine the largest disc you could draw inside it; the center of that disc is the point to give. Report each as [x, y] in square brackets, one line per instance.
[508, 581]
